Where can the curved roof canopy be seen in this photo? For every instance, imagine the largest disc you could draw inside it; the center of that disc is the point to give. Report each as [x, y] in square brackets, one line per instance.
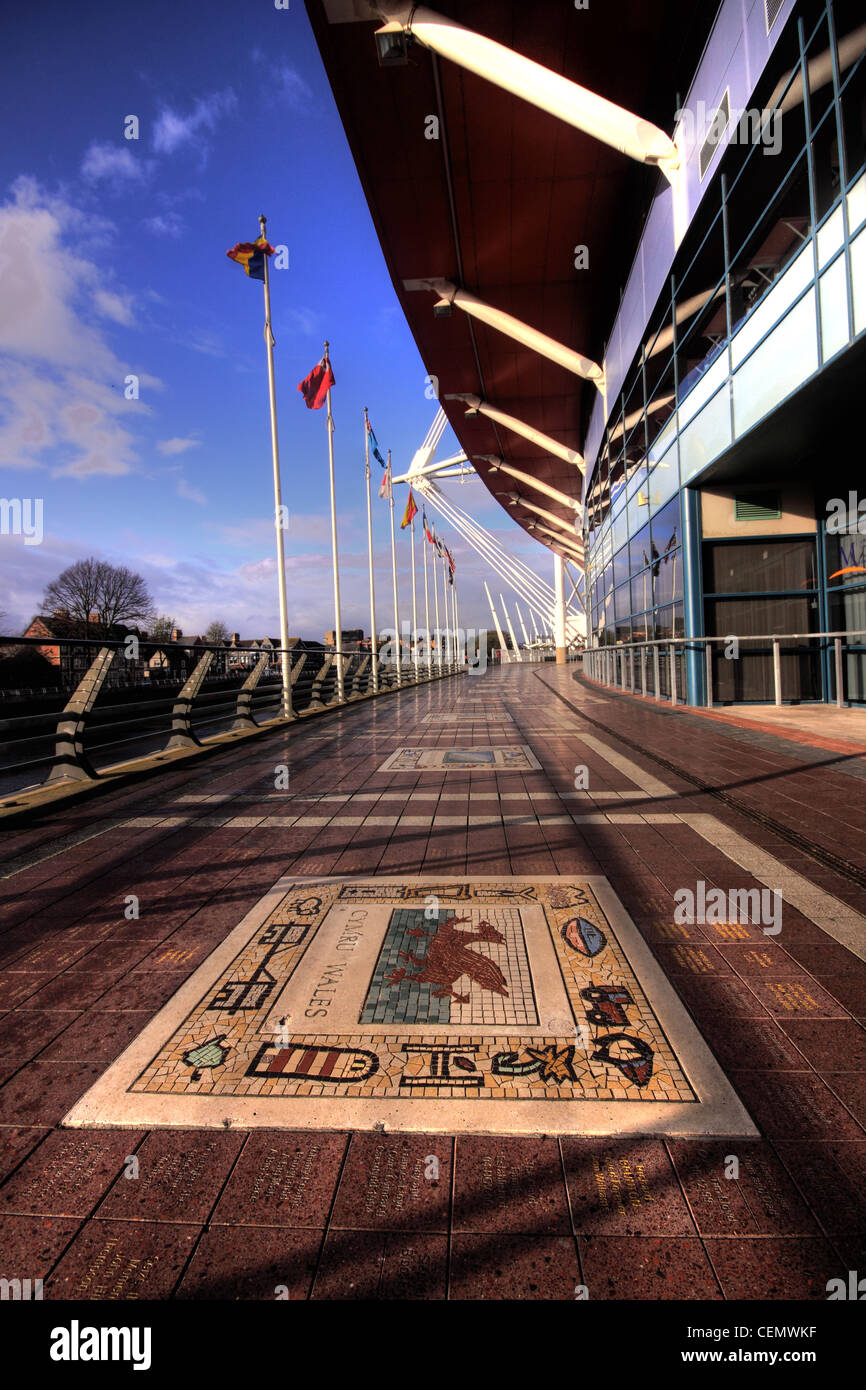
[508, 206]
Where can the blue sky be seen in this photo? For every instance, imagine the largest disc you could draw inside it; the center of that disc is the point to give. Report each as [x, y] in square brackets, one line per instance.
[112, 263]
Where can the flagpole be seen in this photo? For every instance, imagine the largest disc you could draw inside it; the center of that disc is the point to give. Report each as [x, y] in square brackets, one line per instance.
[429, 652]
[438, 627]
[338, 631]
[399, 653]
[451, 587]
[374, 645]
[414, 601]
[445, 606]
[461, 640]
[278, 502]
[454, 619]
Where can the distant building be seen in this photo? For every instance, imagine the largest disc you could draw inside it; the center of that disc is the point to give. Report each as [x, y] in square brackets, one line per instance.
[351, 637]
[70, 660]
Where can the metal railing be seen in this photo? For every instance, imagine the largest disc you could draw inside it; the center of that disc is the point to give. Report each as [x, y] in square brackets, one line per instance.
[768, 668]
[111, 703]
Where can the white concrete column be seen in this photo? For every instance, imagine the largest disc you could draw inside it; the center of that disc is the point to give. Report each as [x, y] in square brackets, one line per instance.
[559, 609]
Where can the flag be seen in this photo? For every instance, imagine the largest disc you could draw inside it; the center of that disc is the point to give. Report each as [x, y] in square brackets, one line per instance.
[410, 513]
[385, 485]
[316, 386]
[451, 564]
[251, 255]
[374, 444]
[426, 527]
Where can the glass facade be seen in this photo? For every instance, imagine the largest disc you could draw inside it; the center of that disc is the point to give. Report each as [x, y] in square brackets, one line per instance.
[768, 287]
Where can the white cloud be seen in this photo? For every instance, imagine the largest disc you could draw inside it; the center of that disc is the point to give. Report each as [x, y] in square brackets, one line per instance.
[114, 306]
[192, 494]
[172, 130]
[284, 83]
[177, 445]
[61, 384]
[200, 340]
[166, 224]
[305, 321]
[294, 91]
[114, 162]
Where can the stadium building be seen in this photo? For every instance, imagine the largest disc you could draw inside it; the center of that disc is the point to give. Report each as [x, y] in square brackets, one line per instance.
[630, 241]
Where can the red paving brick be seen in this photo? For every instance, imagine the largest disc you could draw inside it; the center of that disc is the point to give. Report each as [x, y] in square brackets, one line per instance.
[332, 1216]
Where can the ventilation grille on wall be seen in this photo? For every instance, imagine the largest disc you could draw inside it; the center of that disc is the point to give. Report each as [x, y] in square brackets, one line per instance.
[758, 506]
[718, 126]
[771, 12]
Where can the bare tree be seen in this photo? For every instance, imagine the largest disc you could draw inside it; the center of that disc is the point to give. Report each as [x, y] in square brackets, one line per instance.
[94, 586]
[161, 628]
[216, 633]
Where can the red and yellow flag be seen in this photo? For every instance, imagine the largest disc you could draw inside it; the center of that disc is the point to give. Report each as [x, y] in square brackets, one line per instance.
[251, 255]
[410, 512]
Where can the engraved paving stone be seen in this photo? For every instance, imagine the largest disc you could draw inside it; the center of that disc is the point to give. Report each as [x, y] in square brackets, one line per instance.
[439, 1004]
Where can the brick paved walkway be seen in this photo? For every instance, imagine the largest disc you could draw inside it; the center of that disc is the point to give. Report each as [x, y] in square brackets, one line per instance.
[672, 799]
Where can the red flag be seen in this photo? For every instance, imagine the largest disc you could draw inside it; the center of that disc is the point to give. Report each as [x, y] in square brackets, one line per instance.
[316, 386]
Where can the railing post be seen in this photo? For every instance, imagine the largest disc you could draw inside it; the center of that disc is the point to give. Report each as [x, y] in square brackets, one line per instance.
[182, 735]
[356, 679]
[318, 682]
[656, 686]
[777, 671]
[298, 668]
[244, 718]
[708, 660]
[70, 760]
[840, 677]
[643, 671]
[673, 661]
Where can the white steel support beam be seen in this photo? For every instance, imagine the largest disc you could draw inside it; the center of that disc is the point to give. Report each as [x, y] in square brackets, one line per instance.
[522, 623]
[529, 587]
[551, 92]
[518, 655]
[479, 407]
[503, 647]
[573, 547]
[498, 465]
[531, 338]
[514, 499]
[508, 566]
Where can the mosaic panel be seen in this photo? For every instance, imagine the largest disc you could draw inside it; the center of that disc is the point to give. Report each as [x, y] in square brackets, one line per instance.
[516, 757]
[507, 1005]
